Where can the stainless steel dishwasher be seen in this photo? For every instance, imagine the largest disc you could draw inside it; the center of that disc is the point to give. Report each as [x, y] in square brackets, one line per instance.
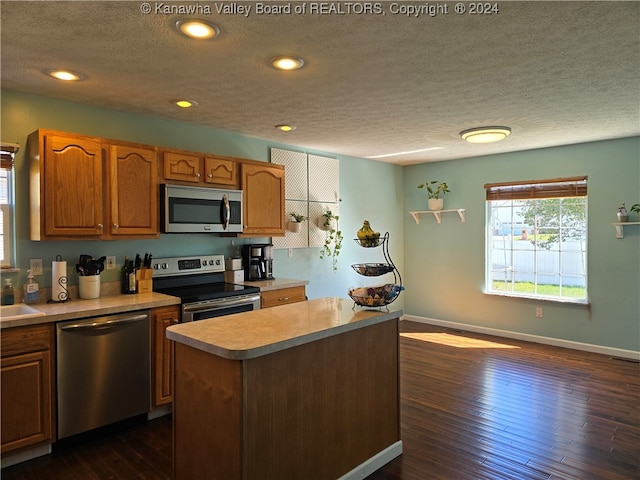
[103, 371]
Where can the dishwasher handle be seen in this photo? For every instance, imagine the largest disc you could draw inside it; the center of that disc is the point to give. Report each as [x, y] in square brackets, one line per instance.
[104, 323]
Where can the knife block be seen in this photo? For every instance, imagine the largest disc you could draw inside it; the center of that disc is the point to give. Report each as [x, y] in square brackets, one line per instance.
[144, 280]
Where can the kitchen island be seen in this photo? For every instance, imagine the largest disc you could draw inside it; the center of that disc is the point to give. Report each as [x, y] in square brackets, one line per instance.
[308, 390]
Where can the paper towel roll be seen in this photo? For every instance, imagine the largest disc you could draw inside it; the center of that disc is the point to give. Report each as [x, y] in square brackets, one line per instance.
[59, 292]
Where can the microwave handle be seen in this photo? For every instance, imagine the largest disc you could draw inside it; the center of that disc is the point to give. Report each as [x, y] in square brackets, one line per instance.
[225, 212]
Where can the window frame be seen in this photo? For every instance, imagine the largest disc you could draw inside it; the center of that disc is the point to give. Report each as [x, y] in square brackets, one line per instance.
[7, 154]
[557, 188]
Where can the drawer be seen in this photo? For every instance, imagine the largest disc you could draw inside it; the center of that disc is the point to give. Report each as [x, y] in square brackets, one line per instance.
[26, 339]
[272, 298]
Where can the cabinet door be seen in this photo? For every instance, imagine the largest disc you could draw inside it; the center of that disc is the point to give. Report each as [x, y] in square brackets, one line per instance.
[73, 174]
[182, 167]
[263, 191]
[162, 348]
[221, 171]
[133, 191]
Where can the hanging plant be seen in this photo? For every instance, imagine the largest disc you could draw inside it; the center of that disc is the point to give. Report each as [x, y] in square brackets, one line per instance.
[333, 239]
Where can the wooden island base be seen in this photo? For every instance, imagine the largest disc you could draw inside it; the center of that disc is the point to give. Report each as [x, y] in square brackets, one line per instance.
[327, 408]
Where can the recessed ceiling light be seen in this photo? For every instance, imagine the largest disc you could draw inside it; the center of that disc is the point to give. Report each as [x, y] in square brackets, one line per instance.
[485, 134]
[287, 63]
[199, 29]
[66, 75]
[285, 128]
[184, 103]
[406, 153]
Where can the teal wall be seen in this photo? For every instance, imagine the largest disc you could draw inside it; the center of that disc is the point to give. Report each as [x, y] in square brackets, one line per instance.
[444, 264]
[22, 114]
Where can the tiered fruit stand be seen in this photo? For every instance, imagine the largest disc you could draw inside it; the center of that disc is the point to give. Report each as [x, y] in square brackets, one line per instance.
[382, 295]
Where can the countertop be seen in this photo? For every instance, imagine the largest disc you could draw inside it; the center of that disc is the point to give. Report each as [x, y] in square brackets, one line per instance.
[242, 336]
[73, 309]
[275, 284]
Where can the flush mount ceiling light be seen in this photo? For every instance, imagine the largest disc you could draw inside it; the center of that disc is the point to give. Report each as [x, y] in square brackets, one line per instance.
[198, 29]
[285, 128]
[485, 134]
[184, 103]
[287, 63]
[66, 75]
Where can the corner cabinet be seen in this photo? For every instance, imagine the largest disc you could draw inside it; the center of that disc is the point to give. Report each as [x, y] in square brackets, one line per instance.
[90, 188]
[162, 354]
[263, 193]
[27, 383]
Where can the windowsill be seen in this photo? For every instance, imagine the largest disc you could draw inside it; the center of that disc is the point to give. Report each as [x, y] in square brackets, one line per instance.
[539, 298]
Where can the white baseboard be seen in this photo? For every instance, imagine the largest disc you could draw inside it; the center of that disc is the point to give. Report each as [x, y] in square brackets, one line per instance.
[379, 460]
[557, 342]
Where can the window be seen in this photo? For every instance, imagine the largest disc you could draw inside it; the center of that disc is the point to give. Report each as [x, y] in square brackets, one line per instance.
[537, 239]
[7, 254]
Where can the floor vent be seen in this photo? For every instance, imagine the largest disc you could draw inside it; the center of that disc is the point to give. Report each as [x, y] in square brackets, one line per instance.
[628, 360]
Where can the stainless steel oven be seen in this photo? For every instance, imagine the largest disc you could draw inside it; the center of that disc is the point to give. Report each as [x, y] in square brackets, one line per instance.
[199, 282]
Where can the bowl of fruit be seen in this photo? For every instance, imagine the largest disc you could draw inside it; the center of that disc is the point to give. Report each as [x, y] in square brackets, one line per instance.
[377, 296]
[372, 269]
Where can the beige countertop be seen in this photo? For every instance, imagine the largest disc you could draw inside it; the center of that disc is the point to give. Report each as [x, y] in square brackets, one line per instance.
[275, 284]
[248, 335]
[73, 309]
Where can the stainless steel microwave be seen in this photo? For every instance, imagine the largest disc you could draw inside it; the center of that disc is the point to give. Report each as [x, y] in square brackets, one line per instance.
[200, 210]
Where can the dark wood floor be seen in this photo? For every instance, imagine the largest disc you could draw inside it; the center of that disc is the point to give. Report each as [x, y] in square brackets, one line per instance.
[473, 407]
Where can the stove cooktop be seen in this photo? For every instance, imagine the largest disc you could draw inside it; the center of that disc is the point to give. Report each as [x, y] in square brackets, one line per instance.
[195, 279]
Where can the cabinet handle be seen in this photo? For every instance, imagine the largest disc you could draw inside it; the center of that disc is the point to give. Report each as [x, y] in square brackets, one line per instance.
[210, 175]
[115, 225]
[283, 299]
[100, 226]
[197, 175]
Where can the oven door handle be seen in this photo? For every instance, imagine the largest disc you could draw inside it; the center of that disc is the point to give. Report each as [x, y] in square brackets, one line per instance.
[219, 304]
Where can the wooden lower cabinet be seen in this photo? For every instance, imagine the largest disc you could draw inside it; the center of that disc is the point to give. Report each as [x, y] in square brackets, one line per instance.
[282, 296]
[162, 351]
[27, 383]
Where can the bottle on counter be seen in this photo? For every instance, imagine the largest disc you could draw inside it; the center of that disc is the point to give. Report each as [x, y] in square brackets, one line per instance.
[31, 290]
[8, 297]
[124, 278]
[133, 281]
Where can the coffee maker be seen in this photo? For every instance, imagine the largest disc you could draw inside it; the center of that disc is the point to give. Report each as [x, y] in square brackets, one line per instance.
[258, 261]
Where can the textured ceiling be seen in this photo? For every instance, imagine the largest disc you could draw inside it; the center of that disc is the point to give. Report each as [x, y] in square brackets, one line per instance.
[556, 72]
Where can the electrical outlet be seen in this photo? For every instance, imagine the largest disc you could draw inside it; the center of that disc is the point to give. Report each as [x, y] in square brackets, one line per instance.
[538, 312]
[35, 264]
[111, 262]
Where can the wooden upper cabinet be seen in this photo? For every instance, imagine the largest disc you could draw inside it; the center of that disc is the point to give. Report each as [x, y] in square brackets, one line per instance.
[91, 188]
[133, 185]
[221, 171]
[182, 167]
[206, 170]
[263, 193]
[72, 181]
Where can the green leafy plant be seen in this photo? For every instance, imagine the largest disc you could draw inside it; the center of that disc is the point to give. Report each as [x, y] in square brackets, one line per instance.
[433, 190]
[298, 218]
[635, 208]
[333, 239]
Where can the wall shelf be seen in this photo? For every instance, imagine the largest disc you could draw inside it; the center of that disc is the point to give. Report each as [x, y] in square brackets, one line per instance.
[619, 226]
[437, 214]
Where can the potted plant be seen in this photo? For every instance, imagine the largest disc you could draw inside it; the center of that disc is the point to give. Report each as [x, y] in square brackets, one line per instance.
[333, 240]
[635, 208]
[623, 215]
[296, 220]
[434, 190]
